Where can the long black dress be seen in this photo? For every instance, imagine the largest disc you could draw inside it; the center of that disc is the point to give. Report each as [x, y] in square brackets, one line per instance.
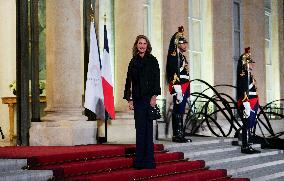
[143, 82]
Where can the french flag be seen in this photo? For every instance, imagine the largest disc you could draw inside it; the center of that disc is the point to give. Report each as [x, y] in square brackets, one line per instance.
[107, 78]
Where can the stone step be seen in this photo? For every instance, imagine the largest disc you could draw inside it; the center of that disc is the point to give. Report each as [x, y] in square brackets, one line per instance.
[220, 157]
[12, 164]
[211, 152]
[205, 149]
[201, 143]
[235, 155]
[26, 175]
[262, 158]
[272, 177]
[218, 153]
[124, 115]
[267, 171]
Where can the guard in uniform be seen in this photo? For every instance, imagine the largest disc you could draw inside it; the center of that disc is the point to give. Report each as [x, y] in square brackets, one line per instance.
[248, 101]
[177, 71]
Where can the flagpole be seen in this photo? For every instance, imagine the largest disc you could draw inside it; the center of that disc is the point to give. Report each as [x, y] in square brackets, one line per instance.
[107, 81]
[94, 97]
[106, 117]
[92, 13]
[92, 19]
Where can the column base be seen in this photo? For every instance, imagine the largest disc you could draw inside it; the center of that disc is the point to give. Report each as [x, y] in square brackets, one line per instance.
[122, 130]
[63, 133]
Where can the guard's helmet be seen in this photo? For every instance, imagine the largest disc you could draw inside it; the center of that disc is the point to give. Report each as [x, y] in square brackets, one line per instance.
[246, 57]
[177, 38]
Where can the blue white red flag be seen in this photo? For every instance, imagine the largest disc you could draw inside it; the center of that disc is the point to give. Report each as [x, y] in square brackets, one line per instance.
[107, 78]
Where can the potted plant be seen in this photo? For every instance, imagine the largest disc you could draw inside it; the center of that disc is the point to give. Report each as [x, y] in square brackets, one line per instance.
[13, 87]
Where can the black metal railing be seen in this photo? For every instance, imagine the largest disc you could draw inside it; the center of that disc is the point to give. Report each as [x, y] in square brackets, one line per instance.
[204, 110]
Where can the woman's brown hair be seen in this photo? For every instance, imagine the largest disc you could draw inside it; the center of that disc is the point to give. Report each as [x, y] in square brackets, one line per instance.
[135, 50]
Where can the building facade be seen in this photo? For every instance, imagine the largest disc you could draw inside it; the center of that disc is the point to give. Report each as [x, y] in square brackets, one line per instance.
[217, 30]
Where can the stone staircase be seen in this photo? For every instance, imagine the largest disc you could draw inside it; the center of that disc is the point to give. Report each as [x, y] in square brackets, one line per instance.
[219, 153]
[11, 170]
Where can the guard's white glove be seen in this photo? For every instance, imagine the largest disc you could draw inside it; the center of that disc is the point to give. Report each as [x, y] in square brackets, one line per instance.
[178, 93]
[247, 109]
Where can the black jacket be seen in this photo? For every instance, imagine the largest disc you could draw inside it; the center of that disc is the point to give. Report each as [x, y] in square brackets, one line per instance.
[143, 78]
[245, 85]
[173, 68]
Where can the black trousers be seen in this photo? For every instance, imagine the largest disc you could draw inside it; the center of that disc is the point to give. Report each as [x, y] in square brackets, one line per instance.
[144, 135]
[177, 115]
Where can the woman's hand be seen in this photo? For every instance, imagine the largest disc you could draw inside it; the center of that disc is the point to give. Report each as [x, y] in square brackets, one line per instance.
[130, 105]
[153, 101]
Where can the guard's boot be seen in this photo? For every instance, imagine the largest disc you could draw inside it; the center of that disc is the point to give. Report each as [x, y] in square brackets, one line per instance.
[250, 141]
[175, 137]
[246, 144]
[180, 130]
[249, 150]
[177, 129]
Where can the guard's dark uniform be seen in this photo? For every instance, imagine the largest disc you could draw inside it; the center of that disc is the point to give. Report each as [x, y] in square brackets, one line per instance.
[143, 82]
[178, 75]
[247, 94]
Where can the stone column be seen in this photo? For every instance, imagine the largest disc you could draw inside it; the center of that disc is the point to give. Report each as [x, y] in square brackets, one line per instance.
[254, 33]
[222, 44]
[7, 58]
[174, 14]
[128, 24]
[64, 123]
[281, 44]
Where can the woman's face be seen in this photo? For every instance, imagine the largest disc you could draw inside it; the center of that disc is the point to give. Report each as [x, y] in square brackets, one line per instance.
[142, 46]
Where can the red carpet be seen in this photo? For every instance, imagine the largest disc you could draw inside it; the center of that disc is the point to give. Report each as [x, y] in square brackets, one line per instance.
[109, 162]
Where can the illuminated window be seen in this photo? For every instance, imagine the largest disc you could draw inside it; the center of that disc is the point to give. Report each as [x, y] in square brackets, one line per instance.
[269, 76]
[147, 18]
[236, 36]
[195, 42]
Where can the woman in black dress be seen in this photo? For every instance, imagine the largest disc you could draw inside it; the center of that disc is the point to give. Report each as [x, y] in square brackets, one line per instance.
[141, 90]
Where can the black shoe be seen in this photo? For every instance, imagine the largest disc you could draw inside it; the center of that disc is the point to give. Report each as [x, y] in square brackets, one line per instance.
[144, 166]
[175, 139]
[137, 167]
[150, 167]
[186, 140]
[235, 143]
[180, 140]
[249, 150]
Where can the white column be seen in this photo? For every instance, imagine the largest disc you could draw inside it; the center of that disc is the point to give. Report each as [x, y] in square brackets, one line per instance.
[7, 58]
[222, 41]
[253, 16]
[281, 44]
[64, 123]
[128, 25]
